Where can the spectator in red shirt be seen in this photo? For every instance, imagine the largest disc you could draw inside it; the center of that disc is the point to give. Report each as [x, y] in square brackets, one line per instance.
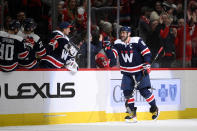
[179, 45]
[70, 12]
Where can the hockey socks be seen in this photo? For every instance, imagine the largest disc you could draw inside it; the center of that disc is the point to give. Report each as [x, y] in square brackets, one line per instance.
[148, 96]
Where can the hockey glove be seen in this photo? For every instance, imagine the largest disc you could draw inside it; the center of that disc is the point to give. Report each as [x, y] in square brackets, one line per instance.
[29, 43]
[106, 42]
[101, 60]
[72, 65]
[146, 68]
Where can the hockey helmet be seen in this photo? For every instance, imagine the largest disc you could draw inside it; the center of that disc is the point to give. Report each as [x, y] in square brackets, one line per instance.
[125, 28]
[14, 24]
[65, 25]
[29, 24]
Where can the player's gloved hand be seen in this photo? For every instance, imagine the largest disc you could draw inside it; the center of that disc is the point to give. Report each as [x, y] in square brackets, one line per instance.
[146, 68]
[29, 43]
[72, 65]
[106, 42]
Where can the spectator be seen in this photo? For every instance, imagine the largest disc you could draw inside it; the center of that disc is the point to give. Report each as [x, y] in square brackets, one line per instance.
[194, 47]
[179, 12]
[169, 8]
[98, 3]
[8, 19]
[70, 12]
[34, 8]
[168, 37]
[157, 11]
[106, 30]
[94, 49]
[194, 38]
[81, 22]
[20, 16]
[125, 10]
[143, 26]
[179, 44]
[192, 5]
[60, 15]
[154, 41]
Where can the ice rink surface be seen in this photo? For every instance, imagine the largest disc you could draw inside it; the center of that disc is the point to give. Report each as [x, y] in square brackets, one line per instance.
[159, 125]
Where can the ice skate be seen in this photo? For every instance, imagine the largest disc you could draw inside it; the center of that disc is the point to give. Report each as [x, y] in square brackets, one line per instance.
[155, 112]
[131, 117]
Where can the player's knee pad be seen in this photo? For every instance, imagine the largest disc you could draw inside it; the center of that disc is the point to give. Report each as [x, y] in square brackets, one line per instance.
[145, 92]
[127, 93]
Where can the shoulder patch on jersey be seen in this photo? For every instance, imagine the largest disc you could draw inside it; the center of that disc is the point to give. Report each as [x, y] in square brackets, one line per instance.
[118, 41]
[3, 34]
[58, 32]
[134, 39]
[19, 38]
[35, 37]
[16, 37]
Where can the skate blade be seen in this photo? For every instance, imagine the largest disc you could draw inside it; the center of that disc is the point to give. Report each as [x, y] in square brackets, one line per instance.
[157, 116]
[133, 120]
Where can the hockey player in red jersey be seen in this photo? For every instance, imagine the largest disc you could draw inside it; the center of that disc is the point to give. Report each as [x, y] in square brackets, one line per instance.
[61, 52]
[11, 47]
[134, 58]
[33, 43]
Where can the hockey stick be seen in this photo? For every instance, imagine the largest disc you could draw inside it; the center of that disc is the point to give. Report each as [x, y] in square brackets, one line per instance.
[138, 83]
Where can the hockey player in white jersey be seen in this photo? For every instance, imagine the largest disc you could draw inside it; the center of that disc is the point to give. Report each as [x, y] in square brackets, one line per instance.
[134, 58]
[33, 43]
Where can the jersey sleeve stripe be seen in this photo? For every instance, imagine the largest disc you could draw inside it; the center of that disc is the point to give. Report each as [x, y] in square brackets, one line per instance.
[53, 61]
[9, 67]
[41, 53]
[58, 36]
[54, 43]
[145, 51]
[29, 66]
[23, 55]
[115, 53]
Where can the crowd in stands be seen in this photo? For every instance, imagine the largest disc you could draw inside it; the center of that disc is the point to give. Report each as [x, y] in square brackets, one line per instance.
[157, 22]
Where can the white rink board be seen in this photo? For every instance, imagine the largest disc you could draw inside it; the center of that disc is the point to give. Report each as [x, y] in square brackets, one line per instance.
[87, 86]
[84, 91]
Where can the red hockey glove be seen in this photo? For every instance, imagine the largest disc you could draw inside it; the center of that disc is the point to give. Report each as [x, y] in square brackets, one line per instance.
[146, 68]
[102, 61]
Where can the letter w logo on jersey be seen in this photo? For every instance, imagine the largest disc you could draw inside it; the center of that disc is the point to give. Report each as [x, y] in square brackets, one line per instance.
[127, 57]
[64, 54]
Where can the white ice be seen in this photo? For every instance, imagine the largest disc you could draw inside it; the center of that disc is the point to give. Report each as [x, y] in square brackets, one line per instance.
[159, 125]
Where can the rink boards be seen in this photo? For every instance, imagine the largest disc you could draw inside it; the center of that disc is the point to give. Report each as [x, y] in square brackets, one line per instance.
[58, 96]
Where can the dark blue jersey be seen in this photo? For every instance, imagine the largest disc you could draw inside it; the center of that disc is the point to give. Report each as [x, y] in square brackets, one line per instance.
[11, 50]
[57, 52]
[131, 55]
[36, 50]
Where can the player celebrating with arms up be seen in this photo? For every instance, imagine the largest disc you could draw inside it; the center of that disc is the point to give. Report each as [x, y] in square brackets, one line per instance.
[134, 59]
